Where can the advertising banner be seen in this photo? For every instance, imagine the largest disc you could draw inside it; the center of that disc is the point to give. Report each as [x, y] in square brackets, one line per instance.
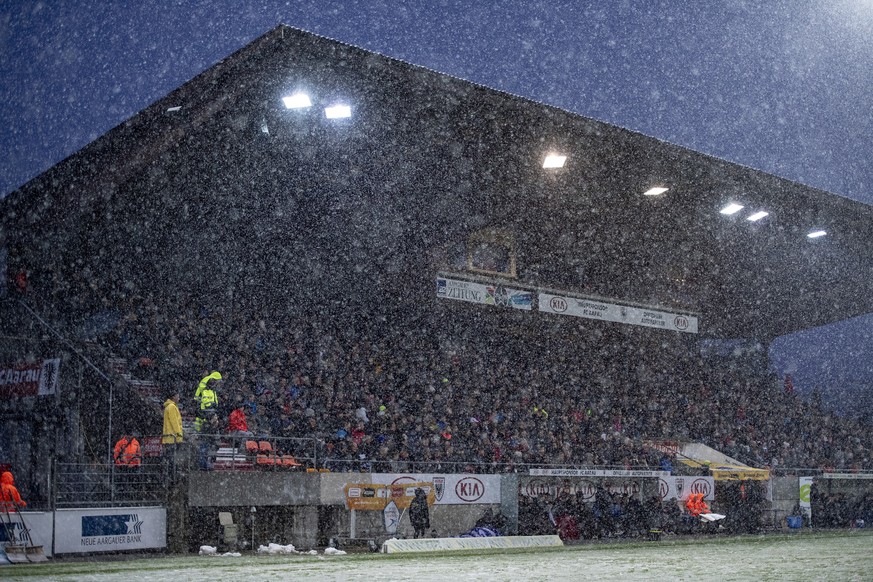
[670, 488]
[110, 529]
[378, 496]
[597, 473]
[23, 379]
[679, 488]
[451, 489]
[583, 489]
[39, 524]
[805, 491]
[490, 294]
[604, 311]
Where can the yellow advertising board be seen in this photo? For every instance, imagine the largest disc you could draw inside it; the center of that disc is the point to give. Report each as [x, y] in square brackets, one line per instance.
[375, 496]
[728, 472]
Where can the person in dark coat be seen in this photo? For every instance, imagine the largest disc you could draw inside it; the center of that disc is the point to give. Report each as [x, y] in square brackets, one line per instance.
[419, 514]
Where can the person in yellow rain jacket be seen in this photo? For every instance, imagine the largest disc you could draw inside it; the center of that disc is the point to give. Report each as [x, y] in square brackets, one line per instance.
[206, 397]
[172, 434]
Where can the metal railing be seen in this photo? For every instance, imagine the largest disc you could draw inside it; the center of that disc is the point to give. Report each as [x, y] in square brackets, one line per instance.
[101, 485]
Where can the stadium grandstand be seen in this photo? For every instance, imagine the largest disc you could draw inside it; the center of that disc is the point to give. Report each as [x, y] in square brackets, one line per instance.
[398, 271]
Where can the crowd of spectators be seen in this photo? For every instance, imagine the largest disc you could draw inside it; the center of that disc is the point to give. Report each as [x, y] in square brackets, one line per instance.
[380, 394]
[378, 397]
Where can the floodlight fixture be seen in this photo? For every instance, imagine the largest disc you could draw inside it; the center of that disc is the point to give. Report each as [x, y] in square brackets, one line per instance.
[817, 234]
[731, 208]
[337, 111]
[554, 161]
[297, 101]
[757, 216]
[657, 190]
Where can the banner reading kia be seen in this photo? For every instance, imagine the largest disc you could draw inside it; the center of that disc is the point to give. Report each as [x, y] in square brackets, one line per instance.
[38, 378]
[457, 489]
[594, 309]
[673, 488]
[110, 529]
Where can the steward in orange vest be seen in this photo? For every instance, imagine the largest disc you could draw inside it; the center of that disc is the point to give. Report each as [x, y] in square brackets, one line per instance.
[127, 452]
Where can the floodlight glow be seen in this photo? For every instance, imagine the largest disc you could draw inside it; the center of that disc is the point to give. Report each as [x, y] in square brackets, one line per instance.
[655, 191]
[757, 216]
[337, 111]
[817, 234]
[174, 109]
[731, 208]
[297, 101]
[554, 161]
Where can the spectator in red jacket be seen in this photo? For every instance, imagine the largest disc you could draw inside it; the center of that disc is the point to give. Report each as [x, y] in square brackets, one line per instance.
[236, 421]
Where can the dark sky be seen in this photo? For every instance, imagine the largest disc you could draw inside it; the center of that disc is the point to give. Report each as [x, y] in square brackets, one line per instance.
[781, 86]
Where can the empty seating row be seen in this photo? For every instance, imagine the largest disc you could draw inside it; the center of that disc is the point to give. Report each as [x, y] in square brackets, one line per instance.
[265, 456]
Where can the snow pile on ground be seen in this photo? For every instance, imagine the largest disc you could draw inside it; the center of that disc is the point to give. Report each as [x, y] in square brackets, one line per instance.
[333, 552]
[313, 552]
[277, 549]
[213, 551]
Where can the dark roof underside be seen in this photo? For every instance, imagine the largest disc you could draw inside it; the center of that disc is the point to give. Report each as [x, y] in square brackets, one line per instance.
[234, 189]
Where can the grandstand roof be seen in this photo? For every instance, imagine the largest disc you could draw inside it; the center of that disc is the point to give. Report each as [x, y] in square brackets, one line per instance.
[221, 168]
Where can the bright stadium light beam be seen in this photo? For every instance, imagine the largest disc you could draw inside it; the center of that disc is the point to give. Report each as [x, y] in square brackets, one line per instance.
[656, 191]
[337, 111]
[554, 161]
[297, 101]
[731, 208]
[757, 216]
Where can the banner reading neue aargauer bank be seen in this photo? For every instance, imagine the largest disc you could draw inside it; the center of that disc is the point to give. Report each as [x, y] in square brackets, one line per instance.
[594, 309]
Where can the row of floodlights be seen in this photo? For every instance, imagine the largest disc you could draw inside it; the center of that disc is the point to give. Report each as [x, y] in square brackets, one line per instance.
[734, 208]
[302, 101]
[558, 161]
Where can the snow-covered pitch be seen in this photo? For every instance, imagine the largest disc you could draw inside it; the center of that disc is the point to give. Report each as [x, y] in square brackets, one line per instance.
[802, 556]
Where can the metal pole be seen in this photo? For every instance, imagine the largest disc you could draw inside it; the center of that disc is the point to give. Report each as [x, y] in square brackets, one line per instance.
[90, 364]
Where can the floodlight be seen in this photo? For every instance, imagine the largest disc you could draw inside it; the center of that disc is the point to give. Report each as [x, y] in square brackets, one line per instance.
[817, 234]
[757, 216]
[731, 208]
[554, 161]
[337, 111]
[655, 191]
[297, 101]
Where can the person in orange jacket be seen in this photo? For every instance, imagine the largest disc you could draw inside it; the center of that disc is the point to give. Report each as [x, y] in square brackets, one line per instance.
[696, 505]
[9, 497]
[127, 452]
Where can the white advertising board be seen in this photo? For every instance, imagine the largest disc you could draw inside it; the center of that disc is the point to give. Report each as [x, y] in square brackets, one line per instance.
[39, 524]
[450, 489]
[597, 473]
[490, 294]
[110, 529]
[604, 311]
[673, 488]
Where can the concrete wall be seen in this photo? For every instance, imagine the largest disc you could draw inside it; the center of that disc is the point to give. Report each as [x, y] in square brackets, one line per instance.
[316, 507]
[260, 488]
